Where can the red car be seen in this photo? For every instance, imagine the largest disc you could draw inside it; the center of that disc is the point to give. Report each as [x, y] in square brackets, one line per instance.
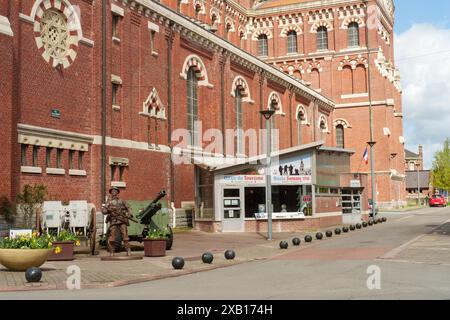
[438, 201]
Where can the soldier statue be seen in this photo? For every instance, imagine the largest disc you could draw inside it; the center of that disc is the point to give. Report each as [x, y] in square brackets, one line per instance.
[118, 214]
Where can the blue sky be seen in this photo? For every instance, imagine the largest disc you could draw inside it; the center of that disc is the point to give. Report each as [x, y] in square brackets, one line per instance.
[409, 12]
[422, 53]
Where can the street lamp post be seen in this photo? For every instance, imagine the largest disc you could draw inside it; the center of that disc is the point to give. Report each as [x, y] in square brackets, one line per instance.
[267, 114]
[418, 183]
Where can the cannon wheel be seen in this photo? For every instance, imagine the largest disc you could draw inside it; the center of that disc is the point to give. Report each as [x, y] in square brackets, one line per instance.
[93, 231]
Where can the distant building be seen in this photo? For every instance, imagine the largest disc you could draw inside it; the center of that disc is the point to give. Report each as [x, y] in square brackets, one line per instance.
[411, 159]
[424, 177]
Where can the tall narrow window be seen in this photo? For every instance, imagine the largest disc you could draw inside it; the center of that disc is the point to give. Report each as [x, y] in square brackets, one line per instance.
[113, 172]
[115, 90]
[292, 42]
[71, 154]
[353, 34]
[80, 160]
[322, 38]
[121, 172]
[263, 46]
[340, 136]
[152, 40]
[59, 153]
[300, 119]
[35, 156]
[239, 137]
[115, 25]
[48, 157]
[23, 154]
[192, 106]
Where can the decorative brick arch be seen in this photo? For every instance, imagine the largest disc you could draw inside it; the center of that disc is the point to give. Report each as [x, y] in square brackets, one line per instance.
[71, 25]
[323, 23]
[242, 33]
[353, 62]
[302, 109]
[259, 32]
[229, 22]
[342, 122]
[349, 20]
[323, 119]
[199, 5]
[215, 12]
[275, 96]
[291, 27]
[153, 106]
[240, 83]
[194, 61]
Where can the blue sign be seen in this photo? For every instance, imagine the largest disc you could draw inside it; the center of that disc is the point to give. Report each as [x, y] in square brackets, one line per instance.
[56, 113]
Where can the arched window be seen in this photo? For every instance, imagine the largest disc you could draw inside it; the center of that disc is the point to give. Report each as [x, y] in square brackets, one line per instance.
[322, 38]
[360, 79]
[262, 46]
[292, 41]
[239, 135]
[353, 34]
[300, 119]
[192, 106]
[298, 74]
[347, 80]
[340, 136]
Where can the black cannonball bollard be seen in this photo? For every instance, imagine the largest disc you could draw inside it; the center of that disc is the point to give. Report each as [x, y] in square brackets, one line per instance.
[352, 228]
[207, 257]
[375, 221]
[308, 238]
[296, 242]
[178, 263]
[345, 229]
[370, 223]
[319, 236]
[337, 231]
[358, 226]
[365, 225]
[284, 245]
[33, 274]
[329, 234]
[380, 220]
[230, 254]
[384, 219]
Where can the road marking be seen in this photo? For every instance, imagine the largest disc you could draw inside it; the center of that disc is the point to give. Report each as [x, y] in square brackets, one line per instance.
[391, 254]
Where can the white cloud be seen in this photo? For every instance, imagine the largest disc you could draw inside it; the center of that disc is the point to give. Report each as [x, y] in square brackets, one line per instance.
[425, 72]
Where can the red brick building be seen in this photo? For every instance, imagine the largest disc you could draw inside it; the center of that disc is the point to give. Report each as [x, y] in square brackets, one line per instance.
[164, 71]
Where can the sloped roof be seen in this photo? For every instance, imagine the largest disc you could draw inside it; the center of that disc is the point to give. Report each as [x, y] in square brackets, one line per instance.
[279, 3]
[410, 154]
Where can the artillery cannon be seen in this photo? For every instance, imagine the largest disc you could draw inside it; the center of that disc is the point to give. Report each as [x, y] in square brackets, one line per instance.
[144, 220]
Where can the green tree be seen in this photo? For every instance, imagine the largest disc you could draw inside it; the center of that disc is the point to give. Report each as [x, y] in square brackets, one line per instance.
[29, 201]
[441, 167]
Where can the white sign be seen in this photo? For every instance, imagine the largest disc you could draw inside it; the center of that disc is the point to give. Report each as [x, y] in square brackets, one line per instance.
[355, 184]
[20, 233]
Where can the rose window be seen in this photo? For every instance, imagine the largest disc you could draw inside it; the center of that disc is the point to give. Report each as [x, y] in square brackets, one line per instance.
[55, 34]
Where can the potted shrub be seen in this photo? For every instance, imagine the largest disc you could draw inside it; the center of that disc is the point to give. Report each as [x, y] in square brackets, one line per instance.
[155, 243]
[21, 253]
[63, 245]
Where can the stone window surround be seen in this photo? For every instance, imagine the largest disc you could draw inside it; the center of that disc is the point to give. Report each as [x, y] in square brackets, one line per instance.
[5, 26]
[121, 164]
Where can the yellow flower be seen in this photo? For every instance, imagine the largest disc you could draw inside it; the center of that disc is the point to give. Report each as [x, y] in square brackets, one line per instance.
[57, 250]
[78, 243]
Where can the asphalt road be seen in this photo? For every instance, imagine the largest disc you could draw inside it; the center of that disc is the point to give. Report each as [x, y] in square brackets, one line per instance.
[336, 269]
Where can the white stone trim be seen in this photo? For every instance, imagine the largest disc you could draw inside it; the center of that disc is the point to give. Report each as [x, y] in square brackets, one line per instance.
[195, 61]
[342, 122]
[240, 81]
[87, 42]
[117, 10]
[5, 26]
[129, 144]
[153, 112]
[354, 95]
[361, 104]
[45, 137]
[23, 17]
[302, 108]
[55, 171]
[27, 169]
[153, 27]
[118, 184]
[116, 79]
[276, 96]
[387, 132]
[79, 173]
[116, 107]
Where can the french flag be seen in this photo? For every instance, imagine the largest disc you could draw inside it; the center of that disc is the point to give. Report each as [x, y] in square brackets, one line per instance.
[366, 156]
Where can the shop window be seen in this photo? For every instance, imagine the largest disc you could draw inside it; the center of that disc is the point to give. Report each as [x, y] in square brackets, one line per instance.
[23, 154]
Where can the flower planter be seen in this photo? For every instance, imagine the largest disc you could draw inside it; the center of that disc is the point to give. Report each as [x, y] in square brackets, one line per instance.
[22, 259]
[66, 253]
[154, 248]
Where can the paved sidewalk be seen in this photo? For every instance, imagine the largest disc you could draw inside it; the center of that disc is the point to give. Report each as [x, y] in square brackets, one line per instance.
[189, 245]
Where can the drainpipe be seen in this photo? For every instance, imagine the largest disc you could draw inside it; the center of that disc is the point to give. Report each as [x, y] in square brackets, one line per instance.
[169, 38]
[103, 103]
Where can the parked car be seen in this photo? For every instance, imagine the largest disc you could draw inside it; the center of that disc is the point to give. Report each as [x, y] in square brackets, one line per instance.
[370, 209]
[438, 201]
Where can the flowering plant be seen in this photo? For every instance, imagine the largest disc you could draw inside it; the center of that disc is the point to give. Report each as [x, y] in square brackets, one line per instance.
[67, 236]
[157, 235]
[36, 241]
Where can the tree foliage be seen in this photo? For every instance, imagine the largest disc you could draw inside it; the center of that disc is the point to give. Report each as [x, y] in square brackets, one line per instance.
[441, 167]
[29, 200]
